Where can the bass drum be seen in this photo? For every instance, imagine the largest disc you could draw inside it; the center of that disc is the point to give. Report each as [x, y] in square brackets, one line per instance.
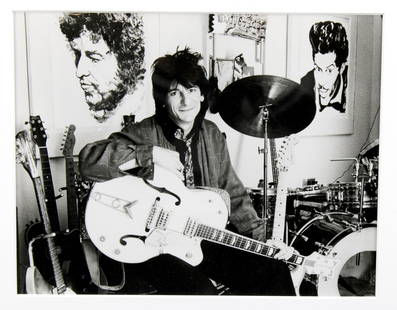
[335, 235]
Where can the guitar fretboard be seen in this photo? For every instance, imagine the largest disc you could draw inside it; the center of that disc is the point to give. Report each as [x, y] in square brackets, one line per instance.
[49, 188]
[60, 283]
[243, 243]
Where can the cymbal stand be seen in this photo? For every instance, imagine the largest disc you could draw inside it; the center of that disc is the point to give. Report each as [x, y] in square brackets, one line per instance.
[265, 119]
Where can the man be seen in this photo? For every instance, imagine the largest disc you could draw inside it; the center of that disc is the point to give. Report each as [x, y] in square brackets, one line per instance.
[109, 53]
[328, 80]
[179, 139]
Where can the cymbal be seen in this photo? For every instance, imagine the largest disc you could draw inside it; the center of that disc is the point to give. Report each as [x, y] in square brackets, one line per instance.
[291, 108]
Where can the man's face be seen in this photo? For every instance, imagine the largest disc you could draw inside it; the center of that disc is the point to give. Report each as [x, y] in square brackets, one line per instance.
[325, 73]
[183, 104]
[96, 68]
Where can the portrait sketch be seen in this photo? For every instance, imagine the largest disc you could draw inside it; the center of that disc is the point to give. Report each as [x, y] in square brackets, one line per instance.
[321, 59]
[88, 69]
[108, 53]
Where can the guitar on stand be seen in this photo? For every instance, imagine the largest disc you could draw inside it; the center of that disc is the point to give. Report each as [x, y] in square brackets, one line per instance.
[281, 161]
[35, 283]
[40, 138]
[67, 151]
[77, 266]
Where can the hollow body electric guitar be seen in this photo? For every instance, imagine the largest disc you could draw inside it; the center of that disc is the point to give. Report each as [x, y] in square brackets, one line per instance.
[132, 220]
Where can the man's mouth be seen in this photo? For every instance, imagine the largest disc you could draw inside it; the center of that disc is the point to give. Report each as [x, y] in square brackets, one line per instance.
[322, 89]
[186, 109]
[87, 88]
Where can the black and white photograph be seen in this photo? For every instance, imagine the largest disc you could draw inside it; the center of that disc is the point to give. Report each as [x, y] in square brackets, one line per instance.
[194, 154]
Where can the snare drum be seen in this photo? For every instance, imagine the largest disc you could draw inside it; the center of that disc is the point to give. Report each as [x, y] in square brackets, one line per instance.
[335, 235]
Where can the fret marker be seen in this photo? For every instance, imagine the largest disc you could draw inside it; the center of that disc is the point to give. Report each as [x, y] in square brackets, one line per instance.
[270, 251]
[299, 260]
[248, 244]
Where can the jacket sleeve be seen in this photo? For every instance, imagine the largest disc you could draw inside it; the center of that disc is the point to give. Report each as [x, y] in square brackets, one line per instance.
[100, 161]
[243, 215]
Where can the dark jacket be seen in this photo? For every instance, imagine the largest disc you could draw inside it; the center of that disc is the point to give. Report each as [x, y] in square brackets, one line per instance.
[100, 160]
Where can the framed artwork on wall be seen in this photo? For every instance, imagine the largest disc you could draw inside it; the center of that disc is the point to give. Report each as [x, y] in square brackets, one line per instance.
[321, 57]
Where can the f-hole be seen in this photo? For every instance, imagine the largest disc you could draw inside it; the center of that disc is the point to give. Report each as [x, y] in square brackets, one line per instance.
[163, 190]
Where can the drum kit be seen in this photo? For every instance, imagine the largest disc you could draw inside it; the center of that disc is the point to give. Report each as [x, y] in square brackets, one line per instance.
[338, 219]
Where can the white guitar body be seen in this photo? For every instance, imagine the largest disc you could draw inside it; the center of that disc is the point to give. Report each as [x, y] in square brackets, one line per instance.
[111, 231]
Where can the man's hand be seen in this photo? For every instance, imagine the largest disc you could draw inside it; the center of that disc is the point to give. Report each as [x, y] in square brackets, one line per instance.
[169, 160]
[285, 251]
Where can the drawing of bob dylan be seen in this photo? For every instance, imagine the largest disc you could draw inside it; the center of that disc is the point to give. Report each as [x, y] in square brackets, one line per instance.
[109, 53]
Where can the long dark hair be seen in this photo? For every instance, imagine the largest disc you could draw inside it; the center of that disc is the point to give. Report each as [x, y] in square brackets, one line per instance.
[184, 68]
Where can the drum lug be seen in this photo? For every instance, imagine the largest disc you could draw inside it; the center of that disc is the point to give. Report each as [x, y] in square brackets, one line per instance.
[323, 249]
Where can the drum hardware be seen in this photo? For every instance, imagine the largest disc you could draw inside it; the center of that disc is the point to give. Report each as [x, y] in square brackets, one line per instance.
[266, 107]
[319, 205]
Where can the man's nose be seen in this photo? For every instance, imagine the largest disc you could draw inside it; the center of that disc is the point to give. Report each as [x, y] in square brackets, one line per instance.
[322, 78]
[82, 68]
[183, 97]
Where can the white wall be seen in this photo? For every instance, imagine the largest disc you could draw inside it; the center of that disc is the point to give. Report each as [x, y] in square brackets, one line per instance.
[311, 156]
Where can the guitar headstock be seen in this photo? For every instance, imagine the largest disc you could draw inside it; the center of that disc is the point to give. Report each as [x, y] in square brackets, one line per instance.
[38, 132]
[69, 141]
[319, 264]
[25, 152]
[284, 152]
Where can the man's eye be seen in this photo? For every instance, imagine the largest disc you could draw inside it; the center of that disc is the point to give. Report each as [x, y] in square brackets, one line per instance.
[95, 59]
[172, 93]
[193, 89]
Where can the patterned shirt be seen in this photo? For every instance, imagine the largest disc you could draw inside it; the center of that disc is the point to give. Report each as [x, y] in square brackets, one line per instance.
[188, 162]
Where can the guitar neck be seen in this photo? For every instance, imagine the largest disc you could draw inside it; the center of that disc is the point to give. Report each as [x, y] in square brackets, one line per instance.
[49, 189]
[273, 158]
[280, 209]
[243, 243]
[73, 214]
[60, 283]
